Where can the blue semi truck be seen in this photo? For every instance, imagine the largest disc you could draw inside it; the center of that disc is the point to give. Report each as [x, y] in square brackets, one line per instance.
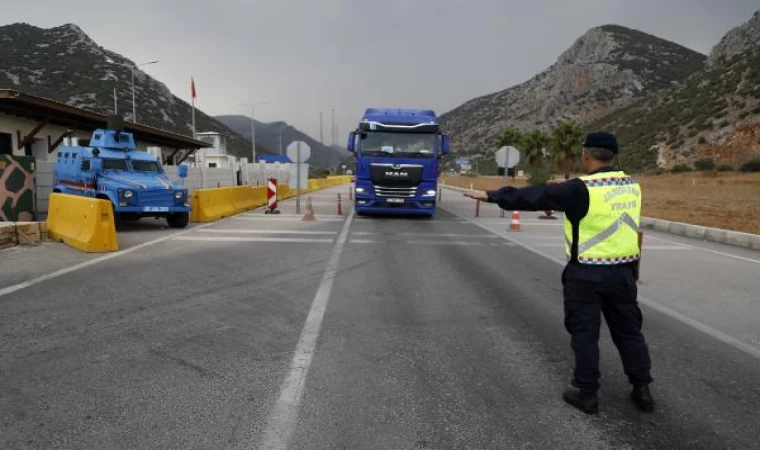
[112, 168]
[397, 153]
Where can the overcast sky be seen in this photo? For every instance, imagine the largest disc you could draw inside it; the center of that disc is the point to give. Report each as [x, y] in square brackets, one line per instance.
[304, 56]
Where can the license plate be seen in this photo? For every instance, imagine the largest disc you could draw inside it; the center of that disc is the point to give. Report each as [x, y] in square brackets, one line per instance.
[156, 209]
[395, 200]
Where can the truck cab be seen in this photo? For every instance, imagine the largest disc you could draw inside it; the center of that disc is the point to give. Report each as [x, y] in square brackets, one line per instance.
[112, 168]
[397, 153]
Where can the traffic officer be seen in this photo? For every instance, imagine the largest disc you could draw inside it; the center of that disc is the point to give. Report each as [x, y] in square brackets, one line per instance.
[602, 213]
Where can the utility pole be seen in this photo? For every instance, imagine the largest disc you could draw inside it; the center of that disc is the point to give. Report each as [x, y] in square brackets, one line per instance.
[321, 139]
[332, 112]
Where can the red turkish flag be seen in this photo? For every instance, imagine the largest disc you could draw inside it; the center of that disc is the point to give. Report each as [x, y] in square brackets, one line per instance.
[192, 88]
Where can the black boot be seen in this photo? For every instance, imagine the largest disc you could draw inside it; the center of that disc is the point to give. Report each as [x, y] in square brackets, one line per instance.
[642, 398]
[586, 401]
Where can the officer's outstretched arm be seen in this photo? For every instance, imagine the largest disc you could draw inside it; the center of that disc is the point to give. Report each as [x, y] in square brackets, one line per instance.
[557, 197]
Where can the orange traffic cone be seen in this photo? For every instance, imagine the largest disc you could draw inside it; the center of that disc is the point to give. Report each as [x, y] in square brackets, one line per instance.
[515, 221]
[549, 215]
[309, 210]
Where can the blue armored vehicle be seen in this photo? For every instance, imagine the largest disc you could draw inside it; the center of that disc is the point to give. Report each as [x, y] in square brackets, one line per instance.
[112, 168]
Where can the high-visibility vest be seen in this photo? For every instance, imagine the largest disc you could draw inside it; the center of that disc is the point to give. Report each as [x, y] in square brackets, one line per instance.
[609, 233]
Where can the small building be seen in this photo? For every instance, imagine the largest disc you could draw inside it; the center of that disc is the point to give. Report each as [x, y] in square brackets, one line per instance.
[36, 126]
[214, 154]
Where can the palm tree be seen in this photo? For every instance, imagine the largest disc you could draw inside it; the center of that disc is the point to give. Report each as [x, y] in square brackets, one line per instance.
[566, 139]
[510, 136]
[534, 144]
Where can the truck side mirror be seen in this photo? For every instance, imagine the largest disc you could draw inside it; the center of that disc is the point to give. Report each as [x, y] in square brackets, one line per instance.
[351, 144]
[445, 145]
[182, 171]
[96, 166]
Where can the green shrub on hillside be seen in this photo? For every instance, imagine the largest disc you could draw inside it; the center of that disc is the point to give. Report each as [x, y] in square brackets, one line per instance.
[725, 168]
[705, 164]
[753, 165]
[681, 168]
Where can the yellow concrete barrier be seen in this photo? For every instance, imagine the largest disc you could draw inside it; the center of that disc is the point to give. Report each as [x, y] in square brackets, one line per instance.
[209, 205]
[87, 224]
[245, 198]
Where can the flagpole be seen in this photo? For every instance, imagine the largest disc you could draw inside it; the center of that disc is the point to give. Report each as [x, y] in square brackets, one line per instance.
[192, 94]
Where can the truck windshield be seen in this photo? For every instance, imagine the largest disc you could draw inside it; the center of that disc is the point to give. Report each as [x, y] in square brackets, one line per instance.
[390, 145]
[145, 166]
[114, 164]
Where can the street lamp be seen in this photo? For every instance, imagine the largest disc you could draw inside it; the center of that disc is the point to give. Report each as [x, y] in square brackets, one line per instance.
[132, 68]
[281, 131]
[134, 105]
[253, 125]
[115, 93]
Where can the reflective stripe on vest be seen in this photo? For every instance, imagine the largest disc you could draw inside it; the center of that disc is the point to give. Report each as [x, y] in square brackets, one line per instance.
[609, 233]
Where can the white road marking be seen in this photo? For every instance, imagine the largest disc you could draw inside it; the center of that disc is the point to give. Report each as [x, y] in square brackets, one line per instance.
[238, 231]
[275, 218]
[282, 421]
[710, 331]
[523, 223]
[251, 239]
[561, 245]
[715, 252]
[465, 243]
[17, 287]
[474, 236]
[409, 221]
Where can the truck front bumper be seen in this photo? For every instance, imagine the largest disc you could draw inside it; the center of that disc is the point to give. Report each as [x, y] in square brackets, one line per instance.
[383, 206]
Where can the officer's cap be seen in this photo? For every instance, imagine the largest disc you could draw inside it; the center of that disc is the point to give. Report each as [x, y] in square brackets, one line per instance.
[601, 139]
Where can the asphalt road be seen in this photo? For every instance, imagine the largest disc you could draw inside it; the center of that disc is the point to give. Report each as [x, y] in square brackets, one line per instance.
[342, 333]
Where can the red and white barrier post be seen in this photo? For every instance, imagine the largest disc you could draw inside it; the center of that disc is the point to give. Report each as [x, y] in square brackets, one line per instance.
[272, 197]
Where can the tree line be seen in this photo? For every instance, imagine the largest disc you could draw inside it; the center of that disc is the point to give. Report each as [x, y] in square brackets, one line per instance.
[560, 148]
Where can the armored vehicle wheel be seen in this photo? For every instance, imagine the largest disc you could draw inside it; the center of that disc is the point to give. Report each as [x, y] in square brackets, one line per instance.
[178, 220]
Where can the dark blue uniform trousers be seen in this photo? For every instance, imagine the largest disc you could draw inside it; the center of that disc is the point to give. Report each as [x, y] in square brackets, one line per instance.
[609, 290]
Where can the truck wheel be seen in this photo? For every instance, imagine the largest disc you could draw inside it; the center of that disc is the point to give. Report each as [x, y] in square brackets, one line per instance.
[178, 220]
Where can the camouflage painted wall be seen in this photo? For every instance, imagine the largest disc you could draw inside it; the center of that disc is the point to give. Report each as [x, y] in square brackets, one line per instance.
[16, 188]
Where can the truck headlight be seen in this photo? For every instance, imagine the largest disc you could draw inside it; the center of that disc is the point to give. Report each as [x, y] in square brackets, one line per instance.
[179, 194]
[360, 190]
[128, 194]
[430, 193]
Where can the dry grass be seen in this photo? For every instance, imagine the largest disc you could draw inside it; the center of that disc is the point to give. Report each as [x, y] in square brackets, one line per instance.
[721, 200]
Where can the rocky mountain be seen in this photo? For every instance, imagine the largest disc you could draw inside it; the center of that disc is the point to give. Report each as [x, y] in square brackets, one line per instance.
[713, 114]
[607, 69]
[737, 41]
[271, 135]
[66, 65]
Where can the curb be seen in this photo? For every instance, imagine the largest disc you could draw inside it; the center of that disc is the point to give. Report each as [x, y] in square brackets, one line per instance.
[721, 236]
[735, 238]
